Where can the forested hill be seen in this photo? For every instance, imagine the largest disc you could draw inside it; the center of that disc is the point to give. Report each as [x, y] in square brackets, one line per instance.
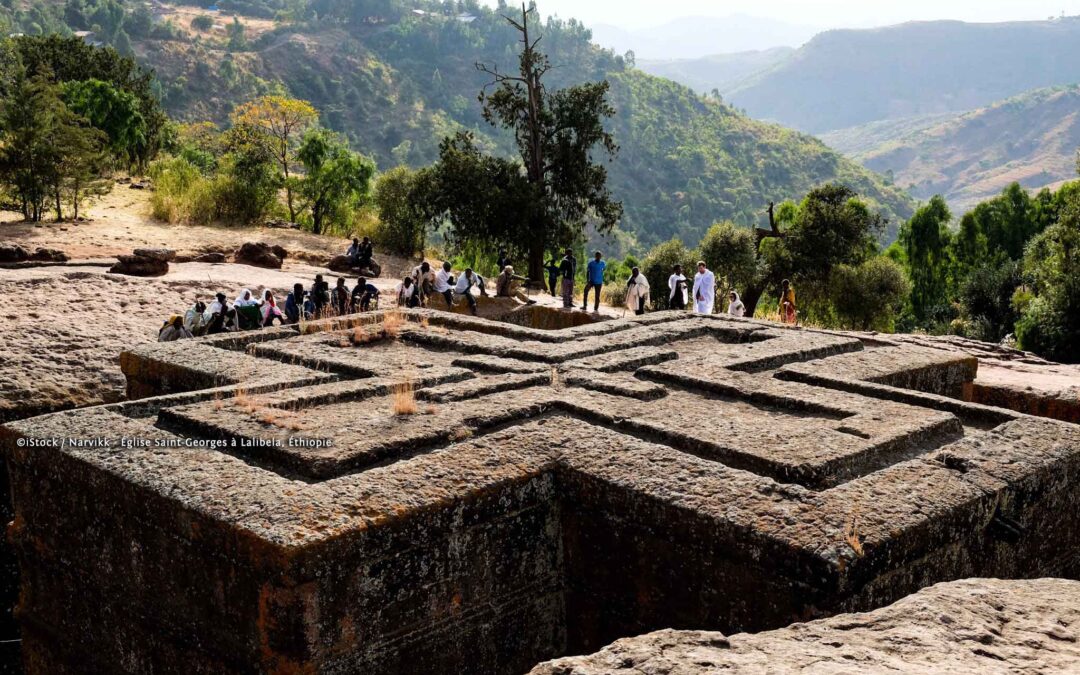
[845, 78]
[970, 157]
[397, 79]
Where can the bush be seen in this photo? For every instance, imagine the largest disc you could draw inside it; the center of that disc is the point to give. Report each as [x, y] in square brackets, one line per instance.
[731, 253]
[869, 295]
[176, 181]
[403, 227]
[202, 23]
[986, 299]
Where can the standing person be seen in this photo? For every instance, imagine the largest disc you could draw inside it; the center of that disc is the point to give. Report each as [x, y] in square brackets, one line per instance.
[340, 297]
[442, 286]
[567, 271]
[788, 313]
[678, 296]
[735, 305]
[503, 261]
[704, 290]
[468, 281]
[594, 278]
[363, 294]
[320, 295]
[637, 292]
[553, 274]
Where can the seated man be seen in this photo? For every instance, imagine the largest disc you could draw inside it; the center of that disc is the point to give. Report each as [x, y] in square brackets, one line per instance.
[354, 252]
[194, 320]
[366, 253]
[468, 281]
[363, 294]
[424, 280]
[505, 286]
[216, 318]
[294, 304]
[340, 298]
[407, 293]
[174, 330]
[320, 295]
[443, 281]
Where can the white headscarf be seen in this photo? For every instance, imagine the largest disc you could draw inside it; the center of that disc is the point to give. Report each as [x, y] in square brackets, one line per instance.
[245, 299]
[638, 290]
[736, 306]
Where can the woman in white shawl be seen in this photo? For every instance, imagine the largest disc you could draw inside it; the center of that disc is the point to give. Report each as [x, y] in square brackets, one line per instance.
[735, 305]
[637, 292]
[270, 309]
[245, 299]
[678, 296]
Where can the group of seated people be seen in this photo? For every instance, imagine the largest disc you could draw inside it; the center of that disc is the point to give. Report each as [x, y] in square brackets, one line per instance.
[424, 283]
[248, 311]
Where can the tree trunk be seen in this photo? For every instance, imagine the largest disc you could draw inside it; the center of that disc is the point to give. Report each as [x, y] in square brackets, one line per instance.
[536, 264]
[751, 297]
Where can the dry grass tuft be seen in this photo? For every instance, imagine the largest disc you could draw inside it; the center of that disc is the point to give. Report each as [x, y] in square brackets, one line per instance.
[460, 434]
[430, 410]
[404, 399]
[392, 323]
[852, 536]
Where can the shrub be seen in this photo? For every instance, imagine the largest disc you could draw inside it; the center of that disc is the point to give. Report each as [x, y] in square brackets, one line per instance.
[869, 295]
[175, 182]
[403, 227]
[202, 23]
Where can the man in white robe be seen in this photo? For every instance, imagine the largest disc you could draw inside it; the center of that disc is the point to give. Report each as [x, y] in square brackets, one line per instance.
[704, 290]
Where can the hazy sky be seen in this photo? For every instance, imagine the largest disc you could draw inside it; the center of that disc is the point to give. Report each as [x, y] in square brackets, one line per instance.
[822, 13]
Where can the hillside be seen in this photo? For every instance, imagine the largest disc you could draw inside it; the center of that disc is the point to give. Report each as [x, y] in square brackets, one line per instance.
[723, 72]
[1031, 139]
[845, 78]
[396, 82]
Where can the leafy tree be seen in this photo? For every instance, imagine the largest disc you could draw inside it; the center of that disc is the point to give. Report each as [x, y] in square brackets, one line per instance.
[79, 156]
[986, 298]
[237, 39]
[926, 241]
[1051, 324]
[869, 295]
[27, 151]
[336, 178]
[555, 133]
[403, 227]
[113, 111]
[60, 60]
[283, 122]
[731, 253]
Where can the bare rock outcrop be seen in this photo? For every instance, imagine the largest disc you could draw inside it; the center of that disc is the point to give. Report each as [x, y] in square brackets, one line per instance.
[342, 264]
[258, 254]
[139, 266]
[162, 254]
[13, 253]
[974, 625]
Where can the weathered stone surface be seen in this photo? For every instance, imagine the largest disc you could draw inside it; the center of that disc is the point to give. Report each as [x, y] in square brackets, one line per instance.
[212, 257]
[139, 266]
[48, 255]
[976, 625]
[162, 254]
[407, 491]
[258, 254]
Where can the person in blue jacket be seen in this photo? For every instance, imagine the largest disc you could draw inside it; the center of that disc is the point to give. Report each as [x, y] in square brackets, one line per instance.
[594, 278]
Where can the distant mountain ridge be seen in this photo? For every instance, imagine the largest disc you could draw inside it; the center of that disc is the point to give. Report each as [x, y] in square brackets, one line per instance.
[845, 78]
[1031, 139]
[722, 72]
[698, 36]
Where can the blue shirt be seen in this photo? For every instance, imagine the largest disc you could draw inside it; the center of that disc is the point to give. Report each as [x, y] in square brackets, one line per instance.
[596, 272]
